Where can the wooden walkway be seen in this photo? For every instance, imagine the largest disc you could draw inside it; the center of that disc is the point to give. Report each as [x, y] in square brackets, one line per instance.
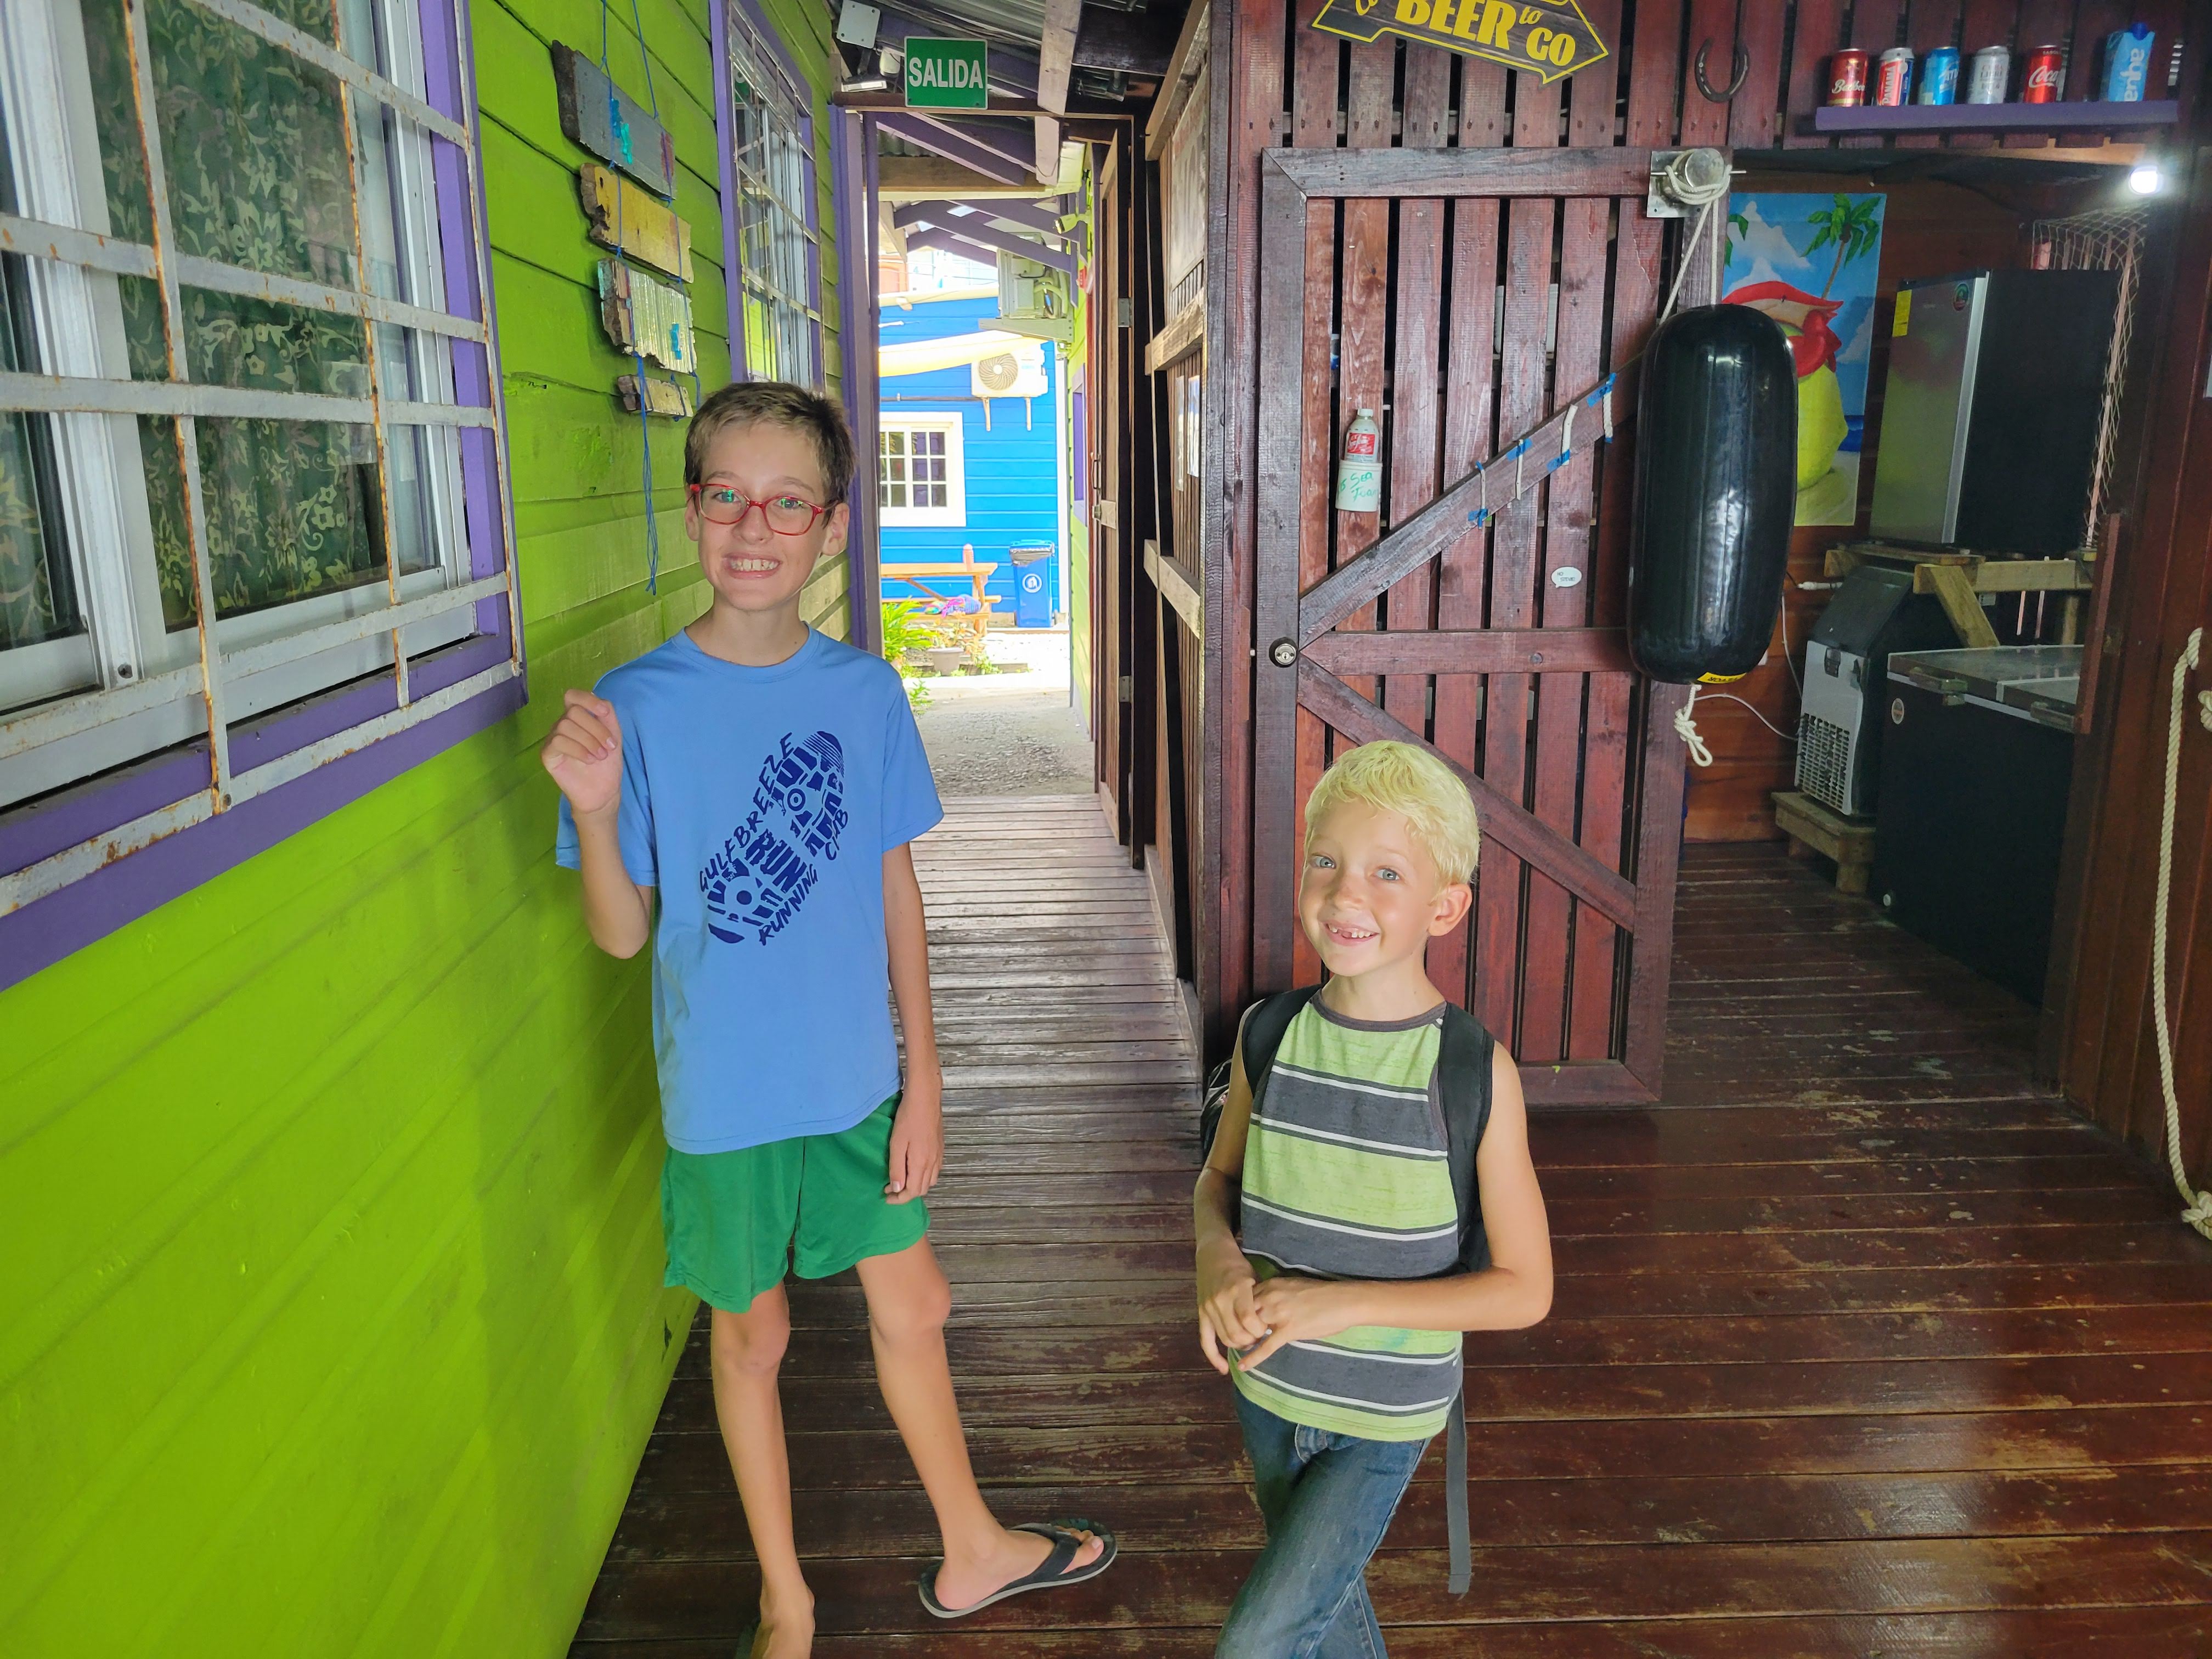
[1862, 1345]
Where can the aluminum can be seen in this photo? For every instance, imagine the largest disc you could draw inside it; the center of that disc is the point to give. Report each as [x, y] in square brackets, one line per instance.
[1892, 79]
[1990, 77]
[1939, 77]
[1847, 78]
[2042, 77]
[2127, 64]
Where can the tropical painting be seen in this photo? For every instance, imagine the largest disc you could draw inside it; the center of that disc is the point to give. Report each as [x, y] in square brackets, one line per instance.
[1809, 261]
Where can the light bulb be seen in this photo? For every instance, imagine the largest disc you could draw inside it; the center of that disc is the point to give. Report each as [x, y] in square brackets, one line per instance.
[2144, 180]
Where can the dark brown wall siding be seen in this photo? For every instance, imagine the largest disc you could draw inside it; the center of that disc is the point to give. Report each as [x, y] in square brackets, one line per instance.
[1280, 81]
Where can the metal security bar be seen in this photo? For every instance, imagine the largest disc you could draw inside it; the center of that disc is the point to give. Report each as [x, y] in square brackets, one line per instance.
[185, 402]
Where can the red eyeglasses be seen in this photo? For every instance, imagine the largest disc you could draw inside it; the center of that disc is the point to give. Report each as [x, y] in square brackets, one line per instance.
[786, 515]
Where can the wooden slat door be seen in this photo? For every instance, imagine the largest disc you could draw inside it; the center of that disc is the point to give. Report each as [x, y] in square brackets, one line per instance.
[1468, 295]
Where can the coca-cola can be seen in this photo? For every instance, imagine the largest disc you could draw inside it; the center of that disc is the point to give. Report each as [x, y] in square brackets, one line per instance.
[1847, 78]
[1893, 81]
[1990, 77]
[2044, 77]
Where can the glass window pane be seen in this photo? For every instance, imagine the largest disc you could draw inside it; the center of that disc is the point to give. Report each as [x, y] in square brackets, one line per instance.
[38, 595]
[293, 509]
[254, 147]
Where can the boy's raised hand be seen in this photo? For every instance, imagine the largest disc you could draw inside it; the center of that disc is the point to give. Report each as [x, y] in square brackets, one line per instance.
[584, 752]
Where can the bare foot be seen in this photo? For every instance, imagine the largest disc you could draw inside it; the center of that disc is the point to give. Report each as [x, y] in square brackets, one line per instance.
[962, 1583]
[786, 1629]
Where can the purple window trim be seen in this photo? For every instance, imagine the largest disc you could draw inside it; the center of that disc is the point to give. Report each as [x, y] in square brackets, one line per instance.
[39, 935]
[852, 142]
[42, 933]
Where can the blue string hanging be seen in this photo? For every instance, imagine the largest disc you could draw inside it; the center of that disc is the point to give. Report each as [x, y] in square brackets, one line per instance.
[622, 133]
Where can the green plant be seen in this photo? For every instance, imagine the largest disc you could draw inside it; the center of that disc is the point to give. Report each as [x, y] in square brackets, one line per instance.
[905, 633]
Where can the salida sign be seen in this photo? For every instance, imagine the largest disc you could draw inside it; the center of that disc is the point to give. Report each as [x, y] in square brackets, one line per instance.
[947, 74]
[1549, 40]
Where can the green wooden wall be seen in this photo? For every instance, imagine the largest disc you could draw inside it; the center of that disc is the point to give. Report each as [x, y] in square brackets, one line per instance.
[331, 1321]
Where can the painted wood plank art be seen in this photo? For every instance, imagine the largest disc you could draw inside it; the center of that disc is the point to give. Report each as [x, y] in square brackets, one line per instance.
[647, 316]
[600, 116]
[661, 397]
[623, 216]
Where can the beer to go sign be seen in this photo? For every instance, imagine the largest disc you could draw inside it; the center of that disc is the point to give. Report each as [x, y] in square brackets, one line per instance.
[1550, 40]
[946, 75]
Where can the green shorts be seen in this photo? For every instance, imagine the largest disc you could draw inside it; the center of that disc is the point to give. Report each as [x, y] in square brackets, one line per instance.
[737, 1222]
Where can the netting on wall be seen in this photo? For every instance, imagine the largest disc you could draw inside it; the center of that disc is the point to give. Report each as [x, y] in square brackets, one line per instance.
[2110, 241]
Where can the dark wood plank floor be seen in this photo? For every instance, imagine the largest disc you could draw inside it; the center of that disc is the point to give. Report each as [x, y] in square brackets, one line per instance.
[1863, 1344]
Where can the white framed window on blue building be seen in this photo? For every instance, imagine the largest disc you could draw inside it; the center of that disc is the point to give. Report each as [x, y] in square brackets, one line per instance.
[921, 474]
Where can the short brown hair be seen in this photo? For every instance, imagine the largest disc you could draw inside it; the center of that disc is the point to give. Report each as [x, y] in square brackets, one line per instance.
[781, 404]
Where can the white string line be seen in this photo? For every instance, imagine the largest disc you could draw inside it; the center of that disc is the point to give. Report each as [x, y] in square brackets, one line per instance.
[2199, 1212]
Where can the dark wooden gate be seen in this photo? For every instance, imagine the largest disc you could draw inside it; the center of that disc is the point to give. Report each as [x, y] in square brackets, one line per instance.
[1468, 295]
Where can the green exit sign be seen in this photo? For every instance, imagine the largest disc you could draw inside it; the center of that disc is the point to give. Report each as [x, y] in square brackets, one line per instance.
[946, 75]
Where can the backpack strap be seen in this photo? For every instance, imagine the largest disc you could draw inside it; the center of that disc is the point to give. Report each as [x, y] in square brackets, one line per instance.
[1463, 1062]
[1265, 1025]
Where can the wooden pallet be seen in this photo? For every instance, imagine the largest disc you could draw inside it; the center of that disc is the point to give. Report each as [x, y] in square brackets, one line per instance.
[1814, 827]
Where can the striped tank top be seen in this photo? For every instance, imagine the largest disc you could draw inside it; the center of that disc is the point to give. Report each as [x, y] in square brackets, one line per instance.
[1347, 1175]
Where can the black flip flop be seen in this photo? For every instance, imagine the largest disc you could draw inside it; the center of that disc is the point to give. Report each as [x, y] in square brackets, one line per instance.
[1051, 1574]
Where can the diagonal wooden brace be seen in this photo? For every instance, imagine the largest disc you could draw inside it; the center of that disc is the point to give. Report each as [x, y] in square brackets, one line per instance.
[1511, 825]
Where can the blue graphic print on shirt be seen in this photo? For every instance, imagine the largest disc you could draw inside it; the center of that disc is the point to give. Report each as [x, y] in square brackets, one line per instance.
[763, 872]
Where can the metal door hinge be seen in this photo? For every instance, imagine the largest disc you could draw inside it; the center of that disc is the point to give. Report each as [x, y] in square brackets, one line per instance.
[1125, 312]
[1128, 689]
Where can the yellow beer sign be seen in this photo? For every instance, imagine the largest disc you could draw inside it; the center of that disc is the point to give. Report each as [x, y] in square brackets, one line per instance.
[1550, 39]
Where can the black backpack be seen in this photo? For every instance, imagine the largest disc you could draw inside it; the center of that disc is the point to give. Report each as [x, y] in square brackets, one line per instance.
[1463, 1062]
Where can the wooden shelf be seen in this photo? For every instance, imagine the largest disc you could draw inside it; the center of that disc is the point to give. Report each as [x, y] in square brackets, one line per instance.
[2080, 117]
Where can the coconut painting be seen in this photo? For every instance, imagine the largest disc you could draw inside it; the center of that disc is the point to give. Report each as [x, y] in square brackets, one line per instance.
[1809, 262]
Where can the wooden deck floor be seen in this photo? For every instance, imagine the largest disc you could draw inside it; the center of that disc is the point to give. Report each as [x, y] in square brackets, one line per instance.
[1862, 1344]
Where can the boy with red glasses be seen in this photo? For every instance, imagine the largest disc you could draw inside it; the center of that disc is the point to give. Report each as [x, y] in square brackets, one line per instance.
[765, 781]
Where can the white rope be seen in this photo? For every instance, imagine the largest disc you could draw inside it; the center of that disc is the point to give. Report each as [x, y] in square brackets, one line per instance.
[2199, 1212]
[1687, 729]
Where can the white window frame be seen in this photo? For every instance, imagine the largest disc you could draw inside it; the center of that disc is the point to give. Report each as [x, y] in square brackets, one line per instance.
[132, 687]
[773, 176]
[953, 515]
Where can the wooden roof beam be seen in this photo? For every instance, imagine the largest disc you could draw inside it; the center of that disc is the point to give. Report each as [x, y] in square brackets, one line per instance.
[1055, 62]
[964, 144]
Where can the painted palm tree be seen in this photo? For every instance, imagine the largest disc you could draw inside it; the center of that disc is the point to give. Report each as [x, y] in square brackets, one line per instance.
[1852, 226]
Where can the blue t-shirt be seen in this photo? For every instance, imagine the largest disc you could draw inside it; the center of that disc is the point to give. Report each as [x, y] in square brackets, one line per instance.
[760, 802]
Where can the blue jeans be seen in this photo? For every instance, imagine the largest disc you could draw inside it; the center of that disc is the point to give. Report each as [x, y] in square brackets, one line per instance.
[1328, 1499]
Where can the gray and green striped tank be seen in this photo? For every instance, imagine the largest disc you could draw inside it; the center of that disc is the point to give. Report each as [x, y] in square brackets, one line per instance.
[1347, 1175]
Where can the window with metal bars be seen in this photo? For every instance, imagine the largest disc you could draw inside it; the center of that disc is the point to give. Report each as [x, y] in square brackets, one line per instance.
[779, 251]
[919, 473]
[251, 509]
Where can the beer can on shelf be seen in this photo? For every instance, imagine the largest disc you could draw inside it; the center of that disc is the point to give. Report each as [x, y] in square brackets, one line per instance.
[2042, 77]
[2127, 64]
[1847, 78]
[1939, 77]
[1893, 77]
[1990, 77]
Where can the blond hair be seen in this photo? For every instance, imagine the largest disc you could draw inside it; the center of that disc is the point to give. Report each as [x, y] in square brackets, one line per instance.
[1409, 780]
[777, 403]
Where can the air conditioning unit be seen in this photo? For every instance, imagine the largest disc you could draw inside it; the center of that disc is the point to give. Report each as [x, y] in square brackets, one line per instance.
[1031, 290]
[1017, 372]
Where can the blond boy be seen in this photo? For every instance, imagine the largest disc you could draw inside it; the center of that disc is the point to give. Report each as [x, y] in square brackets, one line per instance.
[1333, 1250]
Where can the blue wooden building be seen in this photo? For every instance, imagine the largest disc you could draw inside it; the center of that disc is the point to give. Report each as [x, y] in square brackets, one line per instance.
[961, 463]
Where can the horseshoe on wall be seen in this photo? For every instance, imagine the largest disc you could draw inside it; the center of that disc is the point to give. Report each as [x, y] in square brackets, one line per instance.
[1741, 65]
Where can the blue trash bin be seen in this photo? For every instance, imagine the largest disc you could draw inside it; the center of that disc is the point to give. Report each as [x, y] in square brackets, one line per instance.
[1033, 594]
